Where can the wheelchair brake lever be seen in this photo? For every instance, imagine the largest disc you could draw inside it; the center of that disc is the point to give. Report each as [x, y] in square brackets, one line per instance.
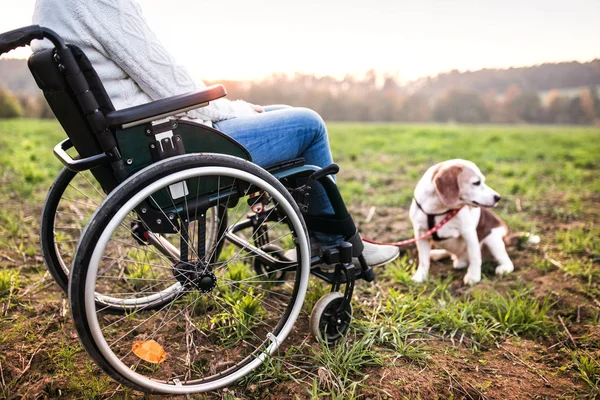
[331, 169]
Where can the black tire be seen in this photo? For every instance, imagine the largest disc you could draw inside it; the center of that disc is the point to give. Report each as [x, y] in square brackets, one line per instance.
[327, 322]
[97, 238]
[58, 260]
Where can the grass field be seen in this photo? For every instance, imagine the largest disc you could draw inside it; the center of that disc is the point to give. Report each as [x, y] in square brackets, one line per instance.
[534, 334]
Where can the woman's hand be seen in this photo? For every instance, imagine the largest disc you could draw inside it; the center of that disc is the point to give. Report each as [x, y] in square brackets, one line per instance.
[257, 109]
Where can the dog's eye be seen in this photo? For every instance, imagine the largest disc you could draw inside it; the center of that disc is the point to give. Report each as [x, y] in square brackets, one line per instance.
[477, 183]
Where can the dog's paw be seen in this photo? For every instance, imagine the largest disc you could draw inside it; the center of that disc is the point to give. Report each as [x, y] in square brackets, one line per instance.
[504, 269]
[471, 279]
[420, 276]
[460, 264]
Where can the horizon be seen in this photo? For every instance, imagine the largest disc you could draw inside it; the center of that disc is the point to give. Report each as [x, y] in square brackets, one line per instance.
[361, 74]
[509, 35]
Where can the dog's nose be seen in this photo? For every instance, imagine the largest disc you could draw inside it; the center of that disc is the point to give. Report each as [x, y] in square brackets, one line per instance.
[497, 198]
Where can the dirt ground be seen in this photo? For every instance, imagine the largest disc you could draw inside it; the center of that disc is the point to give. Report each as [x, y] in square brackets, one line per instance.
[40, 356]
[548, 179]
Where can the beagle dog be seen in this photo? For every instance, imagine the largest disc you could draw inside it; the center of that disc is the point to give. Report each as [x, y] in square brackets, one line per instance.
[445, 187]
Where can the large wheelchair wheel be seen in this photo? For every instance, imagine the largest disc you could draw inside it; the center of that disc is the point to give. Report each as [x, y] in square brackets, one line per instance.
[70, 202]
[222, 318]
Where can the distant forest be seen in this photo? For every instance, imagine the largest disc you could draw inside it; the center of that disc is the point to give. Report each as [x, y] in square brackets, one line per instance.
[559, 93]
[540, 78]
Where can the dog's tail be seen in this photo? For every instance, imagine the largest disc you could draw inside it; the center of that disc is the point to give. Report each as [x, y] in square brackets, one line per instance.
[520, 238]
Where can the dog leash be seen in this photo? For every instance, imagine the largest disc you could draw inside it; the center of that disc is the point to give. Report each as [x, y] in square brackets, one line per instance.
[426, 234]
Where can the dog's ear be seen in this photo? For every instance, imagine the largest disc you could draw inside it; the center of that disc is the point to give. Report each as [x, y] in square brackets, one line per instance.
[445, 181]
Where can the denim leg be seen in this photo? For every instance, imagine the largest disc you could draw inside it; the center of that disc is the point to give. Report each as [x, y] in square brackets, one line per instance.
[282, 133]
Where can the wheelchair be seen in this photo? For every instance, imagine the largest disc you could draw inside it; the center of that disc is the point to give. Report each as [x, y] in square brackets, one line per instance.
[186, 265]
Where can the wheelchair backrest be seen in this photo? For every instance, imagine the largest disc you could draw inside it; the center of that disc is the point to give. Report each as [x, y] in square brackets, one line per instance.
[78, 125]
[79, 101]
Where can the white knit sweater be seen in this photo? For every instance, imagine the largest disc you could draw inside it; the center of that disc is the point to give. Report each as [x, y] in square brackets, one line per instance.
[132, 64]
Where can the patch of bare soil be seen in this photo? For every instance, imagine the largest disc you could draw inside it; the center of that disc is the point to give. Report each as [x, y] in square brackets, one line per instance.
[389, 224]
[515, 369]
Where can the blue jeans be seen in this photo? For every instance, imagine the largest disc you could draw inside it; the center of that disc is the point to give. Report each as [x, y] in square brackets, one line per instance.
[283, 133]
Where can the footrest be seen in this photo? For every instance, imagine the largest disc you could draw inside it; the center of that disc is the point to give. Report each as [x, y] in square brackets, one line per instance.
[328, 276]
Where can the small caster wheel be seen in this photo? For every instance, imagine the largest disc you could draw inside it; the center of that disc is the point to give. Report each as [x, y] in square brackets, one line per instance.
[264, 269]
[326, 322]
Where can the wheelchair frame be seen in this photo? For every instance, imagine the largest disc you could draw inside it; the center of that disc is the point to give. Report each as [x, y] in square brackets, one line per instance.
[115, 145]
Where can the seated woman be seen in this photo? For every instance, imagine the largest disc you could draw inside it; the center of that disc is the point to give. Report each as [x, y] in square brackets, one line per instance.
[136, 69]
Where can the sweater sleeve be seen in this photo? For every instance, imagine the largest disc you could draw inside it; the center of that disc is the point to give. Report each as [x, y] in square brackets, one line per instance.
[131, 44]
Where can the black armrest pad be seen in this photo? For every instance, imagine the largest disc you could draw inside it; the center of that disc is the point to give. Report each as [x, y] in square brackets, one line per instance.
[165, 107]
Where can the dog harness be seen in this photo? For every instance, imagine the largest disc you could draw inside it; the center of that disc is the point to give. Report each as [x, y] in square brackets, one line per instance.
[431, 221]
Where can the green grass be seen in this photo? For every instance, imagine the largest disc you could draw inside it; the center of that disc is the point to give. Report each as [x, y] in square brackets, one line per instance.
[476, 320]
[580, 241]
[548, 177]
[64, 357]
[519, 160]
[533, 163]
[26, 157]
[9, 283]
[92, 385]
[588, 368]
[340, 368]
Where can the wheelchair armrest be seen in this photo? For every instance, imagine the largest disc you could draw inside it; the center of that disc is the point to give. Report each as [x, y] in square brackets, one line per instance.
[164, 107]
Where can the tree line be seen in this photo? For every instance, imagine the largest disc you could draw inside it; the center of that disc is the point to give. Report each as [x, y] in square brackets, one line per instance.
[364, 103]
[562, 93]
[530, 79]
[23, 105]
[373, 99]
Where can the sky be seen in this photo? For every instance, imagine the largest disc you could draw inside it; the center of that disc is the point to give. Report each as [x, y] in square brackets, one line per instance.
[248, 39]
